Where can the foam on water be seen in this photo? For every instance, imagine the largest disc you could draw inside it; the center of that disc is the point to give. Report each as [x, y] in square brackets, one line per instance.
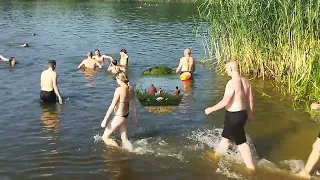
[157, 147]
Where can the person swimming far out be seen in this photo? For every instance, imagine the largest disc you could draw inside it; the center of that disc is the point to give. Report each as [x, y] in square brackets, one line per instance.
[90, 62]
[238, 101]
[114, 68]
[100, 58]
[49, 84]
[124, 58]
[186, 65]
[12, 61]
[123, 95]
[176, 91]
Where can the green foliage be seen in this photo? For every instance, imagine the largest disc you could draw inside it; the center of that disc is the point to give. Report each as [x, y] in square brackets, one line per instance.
[159, 70]
[168, 99]
[274, 39]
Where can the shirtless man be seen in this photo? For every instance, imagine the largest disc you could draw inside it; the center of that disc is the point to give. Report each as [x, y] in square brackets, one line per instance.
[114, 68]
[238, 102]
[123, 58]
[48, 84]
[315, 153]
[100, 58]
[186, 63]
[90, 62]
[12, 61]
[152, 90]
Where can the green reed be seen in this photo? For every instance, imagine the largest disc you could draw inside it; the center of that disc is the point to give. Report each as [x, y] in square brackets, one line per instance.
[278, 39]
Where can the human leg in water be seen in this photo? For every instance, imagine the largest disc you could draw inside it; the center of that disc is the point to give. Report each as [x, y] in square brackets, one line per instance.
[312, 160]
[246, 155]
[116, 122]
[124, 137]
[221, 149]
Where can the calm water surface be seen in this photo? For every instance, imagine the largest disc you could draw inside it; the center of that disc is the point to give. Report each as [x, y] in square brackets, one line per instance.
[57, 142]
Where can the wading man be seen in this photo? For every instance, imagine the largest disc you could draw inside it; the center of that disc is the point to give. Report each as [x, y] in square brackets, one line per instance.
[238, 102]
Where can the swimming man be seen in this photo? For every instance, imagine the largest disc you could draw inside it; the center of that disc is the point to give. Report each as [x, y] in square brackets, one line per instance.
[12, 61]
[176, 91]
[186, 63]
[90, 62]
[48, 84]
[100, 58]
[238, 102]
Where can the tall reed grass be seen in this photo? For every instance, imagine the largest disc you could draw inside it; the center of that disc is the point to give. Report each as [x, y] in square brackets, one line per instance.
[277, 39]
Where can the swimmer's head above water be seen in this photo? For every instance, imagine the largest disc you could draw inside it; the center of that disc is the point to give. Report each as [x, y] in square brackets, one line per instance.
[123, 51]
[114, 62]
[52, 64]
[231, 67]
[25, 45]
[12, 61]
[89, 54]
[97, 52]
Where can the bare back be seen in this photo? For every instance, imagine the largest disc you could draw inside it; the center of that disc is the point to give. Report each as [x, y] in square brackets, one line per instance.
[124, 61]
[241, 88]
[90, 63]
[125, 96]
[187, 64]
[47, 77]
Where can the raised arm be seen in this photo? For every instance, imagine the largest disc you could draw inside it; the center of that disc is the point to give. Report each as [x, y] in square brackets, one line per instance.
[55, 87]
[115, 99]
[3, 58]
[179, 66]
[81, 64]
[226, 99]
[108, 57]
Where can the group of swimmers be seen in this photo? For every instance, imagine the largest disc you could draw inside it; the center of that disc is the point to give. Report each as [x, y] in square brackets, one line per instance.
[237, 100]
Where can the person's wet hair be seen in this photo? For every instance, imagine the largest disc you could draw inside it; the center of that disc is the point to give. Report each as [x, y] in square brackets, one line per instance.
[52, 63]
[89, 54]
[177, 87]
[96, 50]
[114, 62]
[12, 61]
[124, 51]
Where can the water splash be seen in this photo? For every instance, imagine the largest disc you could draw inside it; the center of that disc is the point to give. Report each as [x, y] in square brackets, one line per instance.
[97, 138]
[294, 165]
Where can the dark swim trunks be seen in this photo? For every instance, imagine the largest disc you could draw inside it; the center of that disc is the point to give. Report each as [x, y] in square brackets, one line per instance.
[234, 126]
[48, 97]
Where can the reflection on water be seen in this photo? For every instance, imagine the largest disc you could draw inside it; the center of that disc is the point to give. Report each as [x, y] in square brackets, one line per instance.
[89, 74]
[51, 116]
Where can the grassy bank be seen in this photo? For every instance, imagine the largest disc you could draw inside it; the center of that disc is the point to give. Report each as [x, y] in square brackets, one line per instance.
[269, 39]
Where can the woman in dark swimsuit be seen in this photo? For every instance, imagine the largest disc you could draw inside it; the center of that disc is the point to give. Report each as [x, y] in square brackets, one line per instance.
[120, 105]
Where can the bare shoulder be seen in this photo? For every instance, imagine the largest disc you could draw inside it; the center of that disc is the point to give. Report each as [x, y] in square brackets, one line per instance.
[245, 82]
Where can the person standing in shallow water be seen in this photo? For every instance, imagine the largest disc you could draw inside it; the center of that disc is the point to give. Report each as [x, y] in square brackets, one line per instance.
[315, 153]
[123, 58]
[48, 84]
[120, 106]
[186, 63]
[238, 102]
[100, 58]
[90, 62]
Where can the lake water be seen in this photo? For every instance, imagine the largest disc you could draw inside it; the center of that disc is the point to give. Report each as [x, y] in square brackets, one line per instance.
[57, 142]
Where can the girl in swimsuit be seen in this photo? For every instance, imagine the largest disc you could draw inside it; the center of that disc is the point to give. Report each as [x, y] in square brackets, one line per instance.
[120, 105]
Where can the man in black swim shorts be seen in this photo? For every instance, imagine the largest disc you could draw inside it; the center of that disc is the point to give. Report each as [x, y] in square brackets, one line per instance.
[238, 102]
[48, 83]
